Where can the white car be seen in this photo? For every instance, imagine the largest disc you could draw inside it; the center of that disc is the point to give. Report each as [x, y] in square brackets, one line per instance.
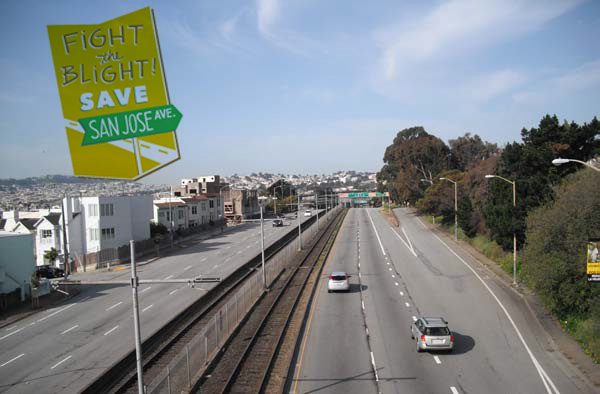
[338, 281]
[307, 213]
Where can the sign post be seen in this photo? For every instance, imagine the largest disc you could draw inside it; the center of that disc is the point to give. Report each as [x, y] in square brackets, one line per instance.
[593, 260]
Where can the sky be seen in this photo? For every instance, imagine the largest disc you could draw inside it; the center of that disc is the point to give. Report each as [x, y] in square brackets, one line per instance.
[313, 87]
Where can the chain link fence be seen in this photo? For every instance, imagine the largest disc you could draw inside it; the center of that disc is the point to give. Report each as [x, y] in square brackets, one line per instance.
[190, 363]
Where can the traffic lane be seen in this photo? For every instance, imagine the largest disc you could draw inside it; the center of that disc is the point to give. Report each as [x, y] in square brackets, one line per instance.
[335, 356]
[489, 351]
[389, 315]
[560, 374]
[490, 347]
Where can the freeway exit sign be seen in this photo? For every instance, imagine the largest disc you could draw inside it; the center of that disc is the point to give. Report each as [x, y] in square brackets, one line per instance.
[364, 195]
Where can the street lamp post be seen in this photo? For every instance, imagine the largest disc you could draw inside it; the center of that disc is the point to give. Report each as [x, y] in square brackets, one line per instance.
[560, 161]
[262, 241]
[222, 203]
[455, 207]
[317, 208]
[299, 226]
[513, 183]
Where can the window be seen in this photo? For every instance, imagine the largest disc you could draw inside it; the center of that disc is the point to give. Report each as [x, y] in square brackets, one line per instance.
[108, 233]
[161, 214]
[106, 210]
[168, 215]
[180, 213]
[211, 203]
[46, 236]
[194, 210]
[204, 206]
[93, 210]
[94, 234]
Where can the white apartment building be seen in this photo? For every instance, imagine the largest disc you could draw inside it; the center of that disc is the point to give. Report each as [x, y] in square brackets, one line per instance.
[186, 212]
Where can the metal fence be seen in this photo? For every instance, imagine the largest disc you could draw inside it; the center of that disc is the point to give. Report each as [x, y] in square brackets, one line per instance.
[191, 362]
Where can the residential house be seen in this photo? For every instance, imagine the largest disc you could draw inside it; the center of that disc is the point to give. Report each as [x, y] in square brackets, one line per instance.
[16, 266]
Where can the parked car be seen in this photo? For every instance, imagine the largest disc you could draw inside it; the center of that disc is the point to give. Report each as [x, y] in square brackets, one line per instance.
[277, 223]
[432, 333]
[338, 281]
[49, 272]
[308, 213]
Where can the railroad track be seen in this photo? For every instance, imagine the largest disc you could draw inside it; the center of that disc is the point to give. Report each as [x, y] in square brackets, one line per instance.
[162, 346]
[247, 359]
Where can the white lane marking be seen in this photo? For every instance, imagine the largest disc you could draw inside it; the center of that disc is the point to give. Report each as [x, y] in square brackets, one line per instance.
[147, 288]
[407, 304]
[543, 375]
[148, 307]
[31, 324]
[60, 362]
[454, 390]
[388, 263]
[168, 277]
[405, 243]
[359, 264]
[414, 318]
[374, 367]
[85, 299]
[14, 332]
[359, 275]
[408, 239]
[437, 360]
[187, 268]
[173, 292]
[54, 313]
[12, 359]
[239, 251]
[363, 304]
[11, 328]
[396, 283]
[111, 330]
[389, 269]
[401, 293]
[203, 259]
[376, 233]
[70, 329]
[393, 276]
[248, 247]
[114, 306]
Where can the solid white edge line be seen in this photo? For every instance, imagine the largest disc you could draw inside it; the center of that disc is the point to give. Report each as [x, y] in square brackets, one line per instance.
[111, 330]
[437, 360]
[12, 359]
[376, 233]
[60, 362]
[404, 242]
[536, 364]
[414, 318]
[72, 328]
[454, 390]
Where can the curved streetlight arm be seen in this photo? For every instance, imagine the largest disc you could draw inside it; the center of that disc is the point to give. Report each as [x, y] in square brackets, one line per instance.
[560, 161]
[498, 176]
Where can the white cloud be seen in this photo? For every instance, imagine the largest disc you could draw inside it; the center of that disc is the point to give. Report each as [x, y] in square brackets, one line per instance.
[583, 77]
[267, 13]
[487, 87]
[457, 26]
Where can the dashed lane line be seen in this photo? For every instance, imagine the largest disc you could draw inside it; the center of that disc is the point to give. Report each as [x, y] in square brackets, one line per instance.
[111, 330]
[437, 360]
[54, 313]
[114, 306]
[12, 359]
[414, 318]
[12, 333]
[168, 277]
[60, 362]
[187, 268]
[146, 289]
[454, 390]
[69, 329]
[407, 304]
[148, 307]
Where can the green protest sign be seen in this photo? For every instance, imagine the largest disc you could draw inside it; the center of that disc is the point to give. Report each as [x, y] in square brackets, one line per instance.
[130, 124]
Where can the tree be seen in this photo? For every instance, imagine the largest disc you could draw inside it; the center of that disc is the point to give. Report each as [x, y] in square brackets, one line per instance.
[51, 255]
[468, 151]
[414, 155]
[530, 165]
[465, 216]
[157, 229]
[555, 252]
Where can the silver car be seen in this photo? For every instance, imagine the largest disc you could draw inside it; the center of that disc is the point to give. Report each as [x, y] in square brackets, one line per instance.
[338, 281]
[432, 333]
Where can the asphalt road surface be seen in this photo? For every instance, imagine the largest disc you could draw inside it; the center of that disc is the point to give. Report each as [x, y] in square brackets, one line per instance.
[359, 342]
[65, 348]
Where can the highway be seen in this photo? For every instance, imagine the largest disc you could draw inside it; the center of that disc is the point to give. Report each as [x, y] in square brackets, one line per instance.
[359, 342]
[63, 349]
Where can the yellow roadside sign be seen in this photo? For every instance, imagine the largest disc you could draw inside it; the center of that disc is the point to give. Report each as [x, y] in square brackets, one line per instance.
[117, 113]
[593, 260]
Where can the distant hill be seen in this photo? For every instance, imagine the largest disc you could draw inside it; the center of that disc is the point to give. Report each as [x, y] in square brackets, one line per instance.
[49, 179]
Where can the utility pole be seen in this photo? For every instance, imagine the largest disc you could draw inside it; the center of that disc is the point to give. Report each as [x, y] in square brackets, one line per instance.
[64, 231]
[317, 208]
[136, 320]
[262, 247]
[299, 226]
